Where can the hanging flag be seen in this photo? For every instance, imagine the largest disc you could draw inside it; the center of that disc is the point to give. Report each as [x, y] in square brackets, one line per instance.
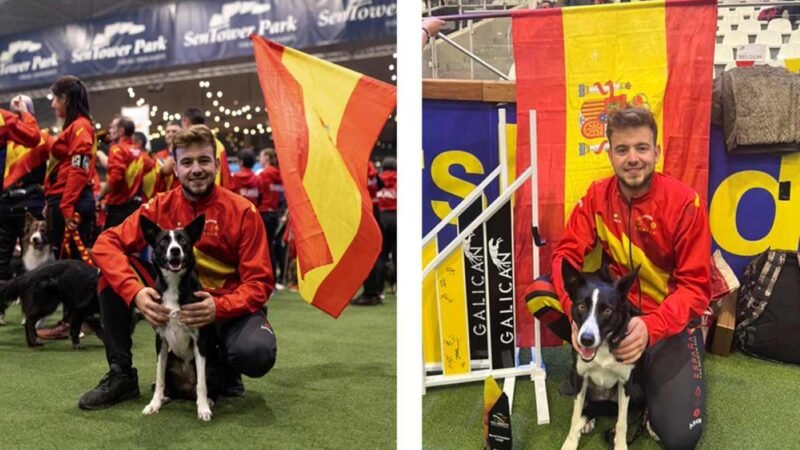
[21, 160]
[573, 65]
[325, 122]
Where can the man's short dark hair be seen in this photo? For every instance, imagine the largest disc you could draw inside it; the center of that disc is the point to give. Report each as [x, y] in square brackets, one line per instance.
[194, 135]
[139, 136]
[195, 116]
[246, 158]
[631, 118]
[127, 125]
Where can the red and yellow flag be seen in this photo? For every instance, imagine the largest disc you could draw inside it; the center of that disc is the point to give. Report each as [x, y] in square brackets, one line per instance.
[325, 122]
[21, 161]
[573, 65]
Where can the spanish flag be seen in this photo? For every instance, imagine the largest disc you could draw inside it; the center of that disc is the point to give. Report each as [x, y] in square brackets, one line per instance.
[325, 122]
[21, 160]
[576, 64]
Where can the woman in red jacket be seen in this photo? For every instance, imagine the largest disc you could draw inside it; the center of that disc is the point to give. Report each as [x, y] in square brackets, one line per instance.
[68, 185]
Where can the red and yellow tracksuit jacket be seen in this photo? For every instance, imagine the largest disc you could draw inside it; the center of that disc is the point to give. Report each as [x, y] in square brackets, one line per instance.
[127, 169]
[247, 184]
[21, 130]
[224, 173]
[271, 188]
[232, 256]
[73, 167]
[665, 231]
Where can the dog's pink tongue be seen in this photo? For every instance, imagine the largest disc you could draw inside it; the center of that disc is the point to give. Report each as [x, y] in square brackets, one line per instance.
[587, 353]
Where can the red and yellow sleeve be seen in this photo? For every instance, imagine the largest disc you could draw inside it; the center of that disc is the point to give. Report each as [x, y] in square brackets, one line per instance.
[224, 174]
[579, 238]
[692, 274]
[78, 177]
[255, 272]
[115, 177]
[111, 250]
[21, 129]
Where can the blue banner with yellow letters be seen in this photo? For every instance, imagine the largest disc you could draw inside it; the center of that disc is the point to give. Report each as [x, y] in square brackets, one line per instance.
[187, 32]
[460, 148]
[754, 202]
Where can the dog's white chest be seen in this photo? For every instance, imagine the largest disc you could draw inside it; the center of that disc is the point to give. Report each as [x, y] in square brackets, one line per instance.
[604, 370]
[33, 258]
[179, 337]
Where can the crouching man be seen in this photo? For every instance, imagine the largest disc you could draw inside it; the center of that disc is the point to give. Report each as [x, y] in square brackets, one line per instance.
[233, 265]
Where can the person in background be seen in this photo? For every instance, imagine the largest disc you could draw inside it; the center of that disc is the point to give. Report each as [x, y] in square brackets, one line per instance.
[69, 186]
[430, 28]
[371, 293]
[270, 209]
[17, 126]
[245, 182]
[165, 159]
[194, 116]
[126, 168]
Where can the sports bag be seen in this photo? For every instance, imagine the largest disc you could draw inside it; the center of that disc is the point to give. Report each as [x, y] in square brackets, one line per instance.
[768, 307]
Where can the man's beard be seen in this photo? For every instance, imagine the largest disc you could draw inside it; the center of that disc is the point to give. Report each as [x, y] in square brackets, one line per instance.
[204, 193]
[640, 185]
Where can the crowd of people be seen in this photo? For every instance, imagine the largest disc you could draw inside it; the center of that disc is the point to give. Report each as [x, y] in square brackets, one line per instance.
[63, 186]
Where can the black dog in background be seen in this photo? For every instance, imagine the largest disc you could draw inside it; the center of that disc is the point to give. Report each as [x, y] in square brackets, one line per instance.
[41, 290]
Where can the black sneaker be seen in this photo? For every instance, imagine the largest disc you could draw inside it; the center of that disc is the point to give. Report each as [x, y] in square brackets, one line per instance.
[115, 386]
[233, 385]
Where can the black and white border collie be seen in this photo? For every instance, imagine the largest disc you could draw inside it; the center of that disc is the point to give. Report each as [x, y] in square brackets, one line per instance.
[601, 312]
[178, 345]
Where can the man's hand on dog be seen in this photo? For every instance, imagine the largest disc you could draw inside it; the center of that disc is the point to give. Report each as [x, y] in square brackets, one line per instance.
[148, 302]
[201, 313]
[632, 347]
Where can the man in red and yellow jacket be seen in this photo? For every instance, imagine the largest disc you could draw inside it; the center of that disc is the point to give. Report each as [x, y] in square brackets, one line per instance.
[126, 169]
[232, 260]
[643, 218]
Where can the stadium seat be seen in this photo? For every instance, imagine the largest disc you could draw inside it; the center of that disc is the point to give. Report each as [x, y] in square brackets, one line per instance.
[772, 38]
[781, 25]
[735, 38]
[751, 27]
[746, 12]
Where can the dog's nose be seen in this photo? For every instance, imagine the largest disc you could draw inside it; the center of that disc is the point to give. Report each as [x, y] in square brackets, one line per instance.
[587, 340]
[174, 252]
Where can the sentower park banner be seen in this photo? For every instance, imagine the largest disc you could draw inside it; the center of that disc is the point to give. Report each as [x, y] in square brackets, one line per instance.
[173, 34]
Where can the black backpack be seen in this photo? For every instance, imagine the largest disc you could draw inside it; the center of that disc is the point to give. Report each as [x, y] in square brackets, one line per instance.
[768, 307]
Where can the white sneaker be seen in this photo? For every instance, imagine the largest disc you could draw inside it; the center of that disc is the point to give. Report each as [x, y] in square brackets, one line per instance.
[279, 287]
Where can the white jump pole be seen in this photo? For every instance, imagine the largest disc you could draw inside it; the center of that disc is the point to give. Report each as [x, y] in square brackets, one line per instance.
[539, 375]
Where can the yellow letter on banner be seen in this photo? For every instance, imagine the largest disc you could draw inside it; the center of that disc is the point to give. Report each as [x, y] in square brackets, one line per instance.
[452, 299]
[784, 234]
[444, 180]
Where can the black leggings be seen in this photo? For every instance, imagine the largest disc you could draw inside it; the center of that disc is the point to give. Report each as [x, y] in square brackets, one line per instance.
[248, 341]
[675, 389]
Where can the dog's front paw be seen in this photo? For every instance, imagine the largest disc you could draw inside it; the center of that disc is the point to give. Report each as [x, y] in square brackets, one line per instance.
[589, 427]
[570, 444]
[203, 413]
[152, 408]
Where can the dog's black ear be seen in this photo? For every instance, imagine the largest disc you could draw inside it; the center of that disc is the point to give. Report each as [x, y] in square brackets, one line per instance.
[625, 283]
[149, 229]
[195, 229]
[572, 278]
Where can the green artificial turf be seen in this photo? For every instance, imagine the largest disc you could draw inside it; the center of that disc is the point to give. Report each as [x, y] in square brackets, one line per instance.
[752, 404]
[333, 387]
